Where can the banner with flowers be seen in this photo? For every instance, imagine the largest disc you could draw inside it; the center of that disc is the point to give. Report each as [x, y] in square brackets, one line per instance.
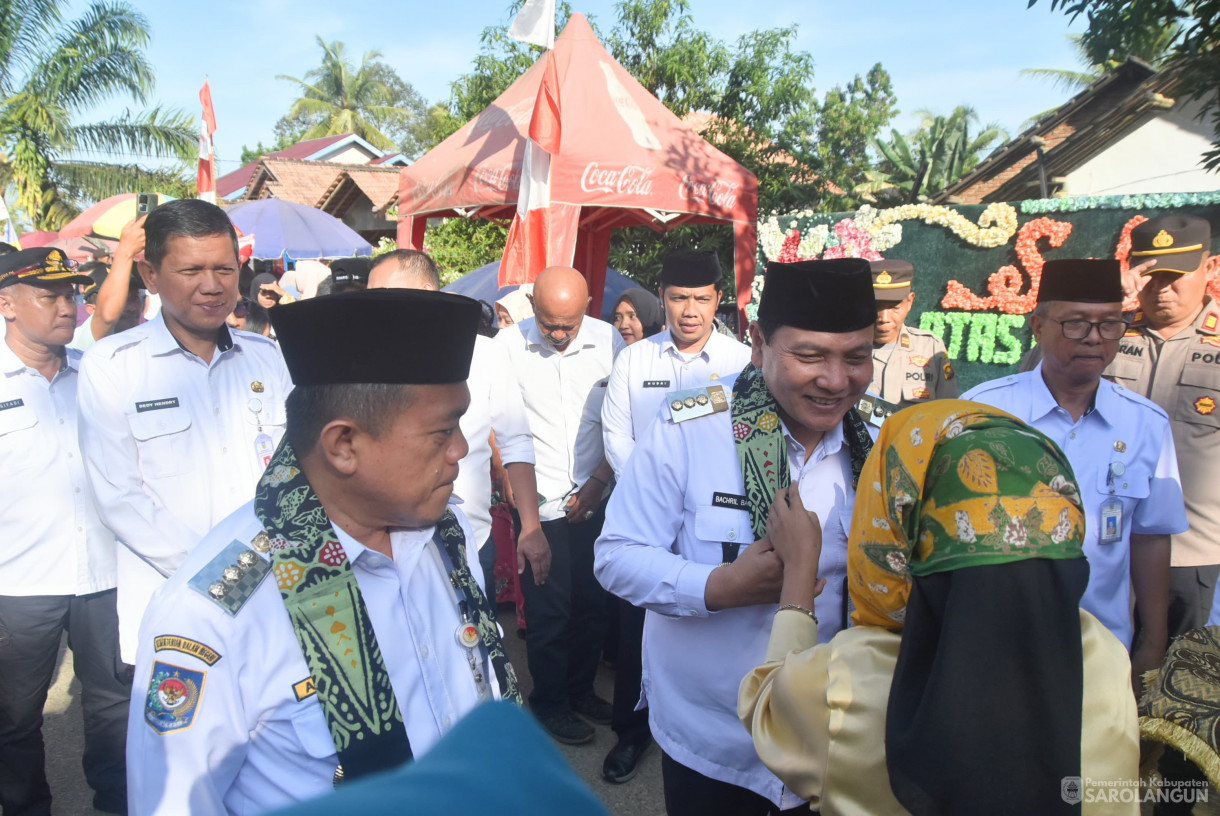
[978, 267]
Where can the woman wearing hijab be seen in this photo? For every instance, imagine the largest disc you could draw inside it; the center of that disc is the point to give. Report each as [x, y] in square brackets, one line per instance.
[515, 306]
[971, 681]
[638, 314]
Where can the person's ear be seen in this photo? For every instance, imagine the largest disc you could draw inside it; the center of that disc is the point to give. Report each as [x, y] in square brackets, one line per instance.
[338, 445]
[756, 345]
[7, 307]
[148, 275]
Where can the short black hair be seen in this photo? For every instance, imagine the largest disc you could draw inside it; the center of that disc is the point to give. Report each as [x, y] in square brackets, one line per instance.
[767, 327]
[418, 264]
[186, 216]
[372, 406]
[258, 319]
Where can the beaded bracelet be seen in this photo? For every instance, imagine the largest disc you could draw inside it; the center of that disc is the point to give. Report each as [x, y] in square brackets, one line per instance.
[799, 608]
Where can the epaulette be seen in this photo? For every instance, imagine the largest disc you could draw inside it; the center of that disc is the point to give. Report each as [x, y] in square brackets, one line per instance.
[1210, 322]
[231, 577]
[875, 410]
[696, 402]
[1135, 324]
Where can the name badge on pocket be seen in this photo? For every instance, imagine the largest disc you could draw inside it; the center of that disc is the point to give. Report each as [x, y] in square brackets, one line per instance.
[263, 449]
[1111, 521]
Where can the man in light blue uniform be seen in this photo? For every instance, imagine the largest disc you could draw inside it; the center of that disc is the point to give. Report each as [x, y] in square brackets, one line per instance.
[1119, 444]
[689, 352]
[685, 531]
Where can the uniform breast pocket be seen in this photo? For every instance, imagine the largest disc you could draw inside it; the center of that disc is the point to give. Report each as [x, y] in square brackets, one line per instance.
[719, 525]
[19, 440]
[1198, 398]
[1130, 487]
[1123, 370]
[161, 439]
[265, 408]
[309, 725]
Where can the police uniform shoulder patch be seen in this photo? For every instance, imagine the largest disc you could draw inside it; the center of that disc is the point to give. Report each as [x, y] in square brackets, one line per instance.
[696, 402]
[173, 697]
[194, 648]
[947, 370]
[231, 577]
[904, 341]
[1211, 322]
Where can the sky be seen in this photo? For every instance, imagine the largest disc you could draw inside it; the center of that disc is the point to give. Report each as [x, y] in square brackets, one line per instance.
[939, 54]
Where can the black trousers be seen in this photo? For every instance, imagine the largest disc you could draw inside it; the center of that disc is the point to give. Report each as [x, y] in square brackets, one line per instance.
[30, 631]
[565, 617]
[690, 793]
[487, 561]
[1191, 590]
[630, 725]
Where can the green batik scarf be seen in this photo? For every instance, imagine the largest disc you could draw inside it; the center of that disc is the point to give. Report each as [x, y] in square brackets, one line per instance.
[332, 624]
[763, 452]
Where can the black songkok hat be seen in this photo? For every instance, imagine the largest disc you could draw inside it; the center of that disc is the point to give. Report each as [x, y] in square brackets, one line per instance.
[891, 278]
[691, 268]
[393, 336]
[1080, 280]
[39, 265]
[827, 296]
[1175, 242]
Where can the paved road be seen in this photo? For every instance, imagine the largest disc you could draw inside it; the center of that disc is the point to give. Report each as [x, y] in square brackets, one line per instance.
[64, 738]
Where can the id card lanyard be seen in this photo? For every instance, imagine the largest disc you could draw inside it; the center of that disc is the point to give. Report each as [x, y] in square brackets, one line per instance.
[264, 446]
[1112, 508]
[467, 632]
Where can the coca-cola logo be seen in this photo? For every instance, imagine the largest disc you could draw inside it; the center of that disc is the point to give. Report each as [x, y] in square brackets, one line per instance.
[500, 179]
[716, 192]
[631, 180]
[446, 185]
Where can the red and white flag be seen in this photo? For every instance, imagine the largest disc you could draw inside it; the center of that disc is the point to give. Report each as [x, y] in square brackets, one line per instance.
[206, 185]
[527, 251]
[535, 23]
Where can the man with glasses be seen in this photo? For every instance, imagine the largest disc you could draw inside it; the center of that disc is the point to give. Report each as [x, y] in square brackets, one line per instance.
[563, 360]
[1119, 445]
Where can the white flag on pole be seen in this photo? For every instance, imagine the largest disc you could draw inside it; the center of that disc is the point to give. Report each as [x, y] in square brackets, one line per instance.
[3, 210]
[535, 23]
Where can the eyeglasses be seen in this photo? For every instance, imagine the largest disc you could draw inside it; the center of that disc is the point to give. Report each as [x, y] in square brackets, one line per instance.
[242, 308]
[1080, 329]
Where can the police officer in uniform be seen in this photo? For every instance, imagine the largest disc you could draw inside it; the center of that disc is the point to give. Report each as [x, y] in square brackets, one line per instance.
[336, 621]
[685, 532]
[909, 365]
[1170, 354]
[689, 352]
[1119, 445]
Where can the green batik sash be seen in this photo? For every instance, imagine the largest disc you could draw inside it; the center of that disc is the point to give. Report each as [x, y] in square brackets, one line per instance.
[763, 451]
[331, 621]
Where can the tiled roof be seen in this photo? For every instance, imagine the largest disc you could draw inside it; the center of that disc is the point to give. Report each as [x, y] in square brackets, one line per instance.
[328, 186]
[230, 183]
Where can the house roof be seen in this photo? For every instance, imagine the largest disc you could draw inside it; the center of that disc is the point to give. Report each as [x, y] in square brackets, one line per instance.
[233, 183]
[1070, 135]
[328, 186]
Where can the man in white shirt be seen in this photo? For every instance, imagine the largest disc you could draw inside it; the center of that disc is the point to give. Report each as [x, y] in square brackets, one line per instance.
[495, 406]
[689, 352]
[57, 568]
[334, 626]
[563, 360]
[179, 415]
[685, 532]
[1119, 445]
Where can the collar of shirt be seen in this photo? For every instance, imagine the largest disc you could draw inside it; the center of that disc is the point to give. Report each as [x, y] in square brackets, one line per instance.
[1042, 402]
[669, 347]
[164, 342]
[10, 363]
[413, 539]
[830, 444]
[534, 337]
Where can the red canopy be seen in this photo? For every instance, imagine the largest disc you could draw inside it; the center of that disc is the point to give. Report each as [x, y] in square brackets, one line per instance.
[624, 160]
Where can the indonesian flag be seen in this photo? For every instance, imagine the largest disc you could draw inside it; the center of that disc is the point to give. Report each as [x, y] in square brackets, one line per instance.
[527, 251]
[535, 24]
[207, 155]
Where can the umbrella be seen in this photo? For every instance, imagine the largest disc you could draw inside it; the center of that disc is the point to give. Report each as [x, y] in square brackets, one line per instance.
[38, 238]
[284, 228]
[481, 285]
[106, 218]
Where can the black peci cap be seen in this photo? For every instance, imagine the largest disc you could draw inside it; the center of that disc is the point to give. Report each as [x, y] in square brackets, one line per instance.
[691, 268]
[826, 296]
[1081, 280]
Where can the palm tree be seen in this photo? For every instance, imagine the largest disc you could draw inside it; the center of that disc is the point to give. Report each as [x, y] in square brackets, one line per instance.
[338, 98]
[938, 153]
[51, 71]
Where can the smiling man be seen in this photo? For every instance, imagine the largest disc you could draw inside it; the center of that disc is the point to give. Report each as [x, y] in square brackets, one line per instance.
[179, 415]
[685, 531]
[1119, 445]
[332, 627]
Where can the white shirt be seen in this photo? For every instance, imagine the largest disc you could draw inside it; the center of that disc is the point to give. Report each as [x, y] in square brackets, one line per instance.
[649, 369]
[661, 541]
[54, 539]
[169, 446]
[252, 746]
[1149, 488]
[495, 405]
[563, 393]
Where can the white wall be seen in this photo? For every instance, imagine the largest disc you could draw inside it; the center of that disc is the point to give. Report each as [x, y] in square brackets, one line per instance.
[351, 154]
[1160, 156]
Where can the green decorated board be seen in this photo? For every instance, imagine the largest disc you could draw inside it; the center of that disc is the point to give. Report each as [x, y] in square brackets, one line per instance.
[977, 267]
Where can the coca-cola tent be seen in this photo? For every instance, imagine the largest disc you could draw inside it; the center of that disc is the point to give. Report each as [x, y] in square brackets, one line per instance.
[624, 160]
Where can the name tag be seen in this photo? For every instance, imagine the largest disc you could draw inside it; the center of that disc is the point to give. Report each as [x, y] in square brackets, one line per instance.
[730, 500]
[13, 403]
[156, 405]
[656, 383]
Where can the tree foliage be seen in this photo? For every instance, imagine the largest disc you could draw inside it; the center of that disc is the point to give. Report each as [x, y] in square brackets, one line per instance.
[53, 70]
[1115, 25]
[370, 100]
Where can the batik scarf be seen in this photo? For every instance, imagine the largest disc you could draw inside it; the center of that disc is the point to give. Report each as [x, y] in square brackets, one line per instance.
[332, 623]
[932, 500]
[762, 450]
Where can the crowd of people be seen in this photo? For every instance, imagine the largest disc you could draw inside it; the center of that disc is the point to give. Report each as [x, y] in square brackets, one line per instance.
[262, 513]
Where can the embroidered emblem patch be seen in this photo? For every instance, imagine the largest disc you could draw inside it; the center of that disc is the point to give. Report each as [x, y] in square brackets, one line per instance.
[1205, 405]
[921, 393]
[304, 689]
[173, 697]
[194, 648]
[947, 370]
[919, 360]
[1211, 341]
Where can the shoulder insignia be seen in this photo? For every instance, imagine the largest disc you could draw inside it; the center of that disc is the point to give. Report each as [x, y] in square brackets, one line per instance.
[1137, 319]
[947, 370]
[231, 577]
[919, 360]
[875, 410]
[1210, 339]
[696, 402]
[904, 341]
[1211, 321]
[173, 697]
[194, 648]
[1133, 333]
